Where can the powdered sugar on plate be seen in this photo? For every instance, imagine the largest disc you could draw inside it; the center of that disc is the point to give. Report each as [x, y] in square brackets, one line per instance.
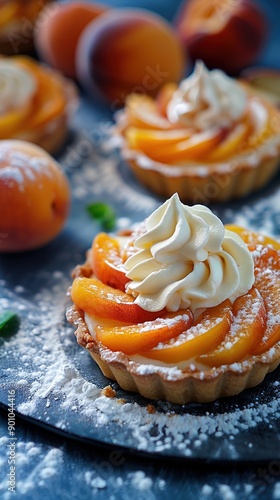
[57, 382]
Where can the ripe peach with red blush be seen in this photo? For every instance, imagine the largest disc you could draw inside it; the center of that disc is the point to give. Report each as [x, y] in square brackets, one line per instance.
[34, 197]
[58, 29]
[128, 50]
[225, 34]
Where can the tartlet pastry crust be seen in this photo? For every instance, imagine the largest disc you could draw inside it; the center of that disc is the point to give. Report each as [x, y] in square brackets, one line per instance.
[205, 182]
[171, 383]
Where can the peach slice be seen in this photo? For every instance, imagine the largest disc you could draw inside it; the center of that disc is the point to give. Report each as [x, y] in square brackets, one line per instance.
[142, 112]
[245, 332]
[267, 272]
[194, 148]
[209, 330]
[49, 101]
[230, 145]
[13, 119]
[150, 140]
[253, 238]
[107, 262]
[135, 338]
[93, 297]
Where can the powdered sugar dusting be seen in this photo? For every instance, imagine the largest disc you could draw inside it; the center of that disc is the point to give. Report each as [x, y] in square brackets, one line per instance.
[49, 381]
[57, 382]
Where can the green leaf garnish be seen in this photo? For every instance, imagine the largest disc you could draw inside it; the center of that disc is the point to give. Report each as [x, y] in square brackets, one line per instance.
[103, 213]
[9, 323]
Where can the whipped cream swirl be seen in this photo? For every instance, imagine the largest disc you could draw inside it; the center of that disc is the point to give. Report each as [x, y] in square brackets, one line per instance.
[207, 99]
[186, 258]
[17, 86]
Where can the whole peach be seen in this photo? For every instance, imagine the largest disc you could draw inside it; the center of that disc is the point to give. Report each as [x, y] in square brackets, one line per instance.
[225, 34]
[34, 196]
[58, 29]
[128, 50]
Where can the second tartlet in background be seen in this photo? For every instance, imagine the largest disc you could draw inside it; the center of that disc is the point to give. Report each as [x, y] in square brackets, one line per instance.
[210, 139]
[35, 102]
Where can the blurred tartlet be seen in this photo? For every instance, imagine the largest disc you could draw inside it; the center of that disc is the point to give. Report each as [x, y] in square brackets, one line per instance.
[35, 102]
[181, 309]
[210, 139]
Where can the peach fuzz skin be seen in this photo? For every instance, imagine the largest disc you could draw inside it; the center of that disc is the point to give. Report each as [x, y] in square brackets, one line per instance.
[57, 35]
[35, 206]
[226, 35]
[128, 50]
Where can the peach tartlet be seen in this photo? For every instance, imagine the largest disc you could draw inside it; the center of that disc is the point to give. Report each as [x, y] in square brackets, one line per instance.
[181, 308]
[209, 139]
[35, 102]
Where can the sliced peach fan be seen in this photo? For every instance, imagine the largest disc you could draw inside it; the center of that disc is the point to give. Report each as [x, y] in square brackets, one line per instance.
[205, 152]
[217, 337]
[148, 130]
[226, 349]
[44, 118]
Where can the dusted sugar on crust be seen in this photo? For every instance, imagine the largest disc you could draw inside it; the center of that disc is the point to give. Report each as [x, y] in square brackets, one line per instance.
[237, 360]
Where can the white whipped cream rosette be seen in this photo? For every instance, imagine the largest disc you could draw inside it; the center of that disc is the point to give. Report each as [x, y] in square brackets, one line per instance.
[207, 99]
[17, 86]
[186, 258]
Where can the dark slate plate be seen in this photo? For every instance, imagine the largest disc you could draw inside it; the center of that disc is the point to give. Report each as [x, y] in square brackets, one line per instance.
[55, 381]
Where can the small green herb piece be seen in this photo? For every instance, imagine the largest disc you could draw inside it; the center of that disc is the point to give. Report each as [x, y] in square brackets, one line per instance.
[103, 213]
[9, 323]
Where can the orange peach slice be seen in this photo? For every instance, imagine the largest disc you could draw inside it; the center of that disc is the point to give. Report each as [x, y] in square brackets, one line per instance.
[136, 338]
[253, 238]
[245, 332]
[210, 329]
[107, 262]
[49, 101]
[196, 147]
[267, 272]
[93, 297]
[142, 112]
[230, 145]
[12, 120]
[150, 140]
